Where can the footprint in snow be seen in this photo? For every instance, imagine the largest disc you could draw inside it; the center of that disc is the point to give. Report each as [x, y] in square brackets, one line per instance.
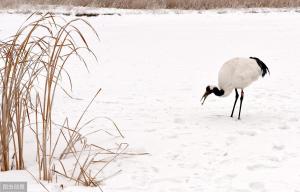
[278, 147]
[248, 133]
[179, 121]
[231, 176]
[274, 159]
[172, 136]
[150, 130]
[257, 186]
[259, 166]
[155, 169]
[174, 157]
[283, 127]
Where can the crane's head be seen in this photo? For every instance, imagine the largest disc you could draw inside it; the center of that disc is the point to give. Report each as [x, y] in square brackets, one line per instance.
[208, 91]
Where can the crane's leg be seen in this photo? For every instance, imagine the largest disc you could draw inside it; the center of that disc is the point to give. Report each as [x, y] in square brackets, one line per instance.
[236, 98]
[242, 97]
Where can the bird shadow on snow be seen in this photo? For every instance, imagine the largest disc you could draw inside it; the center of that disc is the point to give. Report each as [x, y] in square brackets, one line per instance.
[249, 118]
[219, 119]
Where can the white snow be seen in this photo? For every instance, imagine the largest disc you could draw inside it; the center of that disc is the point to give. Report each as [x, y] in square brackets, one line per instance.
[153, 71]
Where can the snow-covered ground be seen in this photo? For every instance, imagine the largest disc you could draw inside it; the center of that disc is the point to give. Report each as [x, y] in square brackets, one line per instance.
[153, 70]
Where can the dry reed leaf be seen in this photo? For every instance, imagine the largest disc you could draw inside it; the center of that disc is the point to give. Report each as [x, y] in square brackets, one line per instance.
[31, 67]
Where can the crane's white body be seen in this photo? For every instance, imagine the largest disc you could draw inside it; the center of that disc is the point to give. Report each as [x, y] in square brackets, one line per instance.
[238, 73]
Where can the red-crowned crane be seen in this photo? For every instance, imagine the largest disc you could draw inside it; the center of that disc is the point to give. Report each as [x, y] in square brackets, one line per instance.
[237, 73]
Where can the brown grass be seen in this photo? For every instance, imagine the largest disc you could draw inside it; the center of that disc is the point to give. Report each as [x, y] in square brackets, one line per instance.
[32, 68]
[32, 64]
[161, 4]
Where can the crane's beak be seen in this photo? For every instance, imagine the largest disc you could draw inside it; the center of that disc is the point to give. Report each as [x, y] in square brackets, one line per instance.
[204, 96]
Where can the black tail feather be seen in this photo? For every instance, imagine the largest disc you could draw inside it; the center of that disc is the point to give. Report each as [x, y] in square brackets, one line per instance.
[261, 64]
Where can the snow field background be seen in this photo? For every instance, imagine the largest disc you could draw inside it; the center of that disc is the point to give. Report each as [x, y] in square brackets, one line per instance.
[153, 69]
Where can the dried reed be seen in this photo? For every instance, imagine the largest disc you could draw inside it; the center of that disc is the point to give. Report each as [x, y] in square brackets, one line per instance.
[32, 64]
[32, 58]
[161, 4]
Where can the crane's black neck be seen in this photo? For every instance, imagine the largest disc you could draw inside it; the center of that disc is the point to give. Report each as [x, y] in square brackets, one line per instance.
[218, 92]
